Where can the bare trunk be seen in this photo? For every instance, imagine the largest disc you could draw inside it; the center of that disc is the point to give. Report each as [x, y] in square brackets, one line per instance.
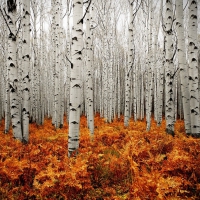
[75, 78]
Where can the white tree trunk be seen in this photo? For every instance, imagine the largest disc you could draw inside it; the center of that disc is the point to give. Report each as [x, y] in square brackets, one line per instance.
[41, 56]
[155, 58]
[53, 54]
[118, 88]
[183, 65]
[57, 94]
[105, 76]
[160, 89]
[129, 68]
[6, 88]
[68, 47]
[193, 68]
[13, 72]
[25, 70]
[110, 76]
[169, 70]
[142, 96]
[150, 70]
[139, 88]
[75, 78]
[35, 74]
[89, 78]
[134, 90]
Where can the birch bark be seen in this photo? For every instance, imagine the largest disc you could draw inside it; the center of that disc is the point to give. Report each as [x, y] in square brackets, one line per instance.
[150, 70]
[169, 70]
[89, 78]
[13, 71]
[75, 78]
[128, 68]
[68, 47]
[7, 90]
[183, 65]
[193, 68]
[57, 95]
[25, 69]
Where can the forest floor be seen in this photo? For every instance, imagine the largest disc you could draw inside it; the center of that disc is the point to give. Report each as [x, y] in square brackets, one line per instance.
[120, 163]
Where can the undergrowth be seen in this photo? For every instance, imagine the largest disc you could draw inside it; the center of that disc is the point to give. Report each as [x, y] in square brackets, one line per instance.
[120, 163]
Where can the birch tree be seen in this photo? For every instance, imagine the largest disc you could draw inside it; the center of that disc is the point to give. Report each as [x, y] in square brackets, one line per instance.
[3, 61]
[25, 69]
[193, 68]
[183, 65]
[156, 57]
[160, 74]
[149, 69]
[129, 67]
[35, 71]
[13, 80]
[4, 77]
[160, 89]
[57, 95]
[89, 78]
[169, 70]
[75, 77]
[68, 55]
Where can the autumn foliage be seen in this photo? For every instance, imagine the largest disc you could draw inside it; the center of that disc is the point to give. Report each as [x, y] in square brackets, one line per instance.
[120, 163]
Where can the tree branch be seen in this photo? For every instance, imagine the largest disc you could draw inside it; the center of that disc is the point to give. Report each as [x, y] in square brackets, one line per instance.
[5, 20]
[175, 73]
[175, 48]
[79, 52]
[18, 28]
[186, 5]
[69, 61]
[68, 10]
[86, 1]
[134, 14]
[81, 20]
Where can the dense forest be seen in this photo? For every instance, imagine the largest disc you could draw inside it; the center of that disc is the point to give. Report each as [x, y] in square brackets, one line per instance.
[99, 99]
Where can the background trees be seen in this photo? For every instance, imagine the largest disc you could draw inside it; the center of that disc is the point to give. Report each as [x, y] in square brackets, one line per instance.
[125, 58]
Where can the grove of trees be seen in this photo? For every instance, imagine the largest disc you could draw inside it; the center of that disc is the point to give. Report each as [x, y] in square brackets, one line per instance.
[137, 58]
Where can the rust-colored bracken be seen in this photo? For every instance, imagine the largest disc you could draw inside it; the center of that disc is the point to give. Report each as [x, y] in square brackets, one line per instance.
[120, 163]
